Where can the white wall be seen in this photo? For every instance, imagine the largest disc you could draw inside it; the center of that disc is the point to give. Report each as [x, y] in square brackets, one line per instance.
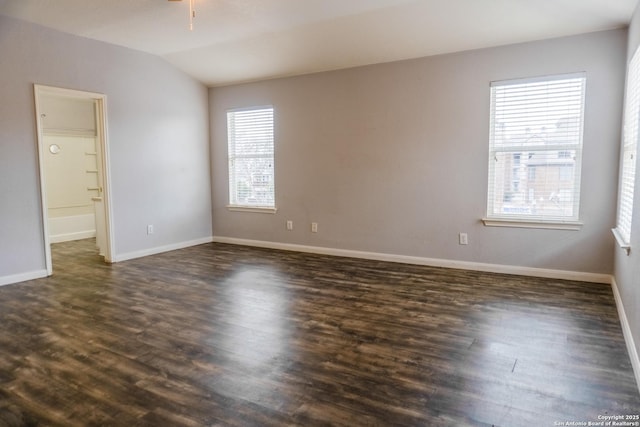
[392, 158]
[67, 114]
[70, 172]
[158, 138]
[71, 182]
[627, 267]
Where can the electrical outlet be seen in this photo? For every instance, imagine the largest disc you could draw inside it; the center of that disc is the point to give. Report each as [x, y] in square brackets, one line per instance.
[289, 225]
[149, 229]
[463, 239]
[314, 227]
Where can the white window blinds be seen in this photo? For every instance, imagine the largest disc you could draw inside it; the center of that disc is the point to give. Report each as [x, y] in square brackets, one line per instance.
[629, 150]
[251, 147]
[535, 148]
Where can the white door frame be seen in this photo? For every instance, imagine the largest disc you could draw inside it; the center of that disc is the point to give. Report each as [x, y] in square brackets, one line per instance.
[103, 147]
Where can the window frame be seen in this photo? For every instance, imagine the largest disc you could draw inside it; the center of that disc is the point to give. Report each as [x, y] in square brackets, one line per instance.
[531, 220]
[628, 155]
[234, 205]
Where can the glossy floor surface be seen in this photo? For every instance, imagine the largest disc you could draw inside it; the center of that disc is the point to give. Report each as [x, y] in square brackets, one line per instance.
[219, 335]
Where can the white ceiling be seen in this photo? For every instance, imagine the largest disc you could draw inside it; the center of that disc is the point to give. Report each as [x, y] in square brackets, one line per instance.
[245, 40]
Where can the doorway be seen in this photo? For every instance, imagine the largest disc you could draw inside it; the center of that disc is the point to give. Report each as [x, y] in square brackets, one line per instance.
[74, 168]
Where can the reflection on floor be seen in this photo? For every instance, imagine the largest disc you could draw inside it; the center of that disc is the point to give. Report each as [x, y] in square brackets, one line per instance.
[227, 335]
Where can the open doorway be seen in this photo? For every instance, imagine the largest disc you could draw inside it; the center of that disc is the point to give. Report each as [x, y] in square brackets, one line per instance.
[74, 172]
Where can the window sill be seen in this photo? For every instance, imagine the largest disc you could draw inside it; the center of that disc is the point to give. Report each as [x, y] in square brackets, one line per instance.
[620, 240]
[518, 223]
[256, 209]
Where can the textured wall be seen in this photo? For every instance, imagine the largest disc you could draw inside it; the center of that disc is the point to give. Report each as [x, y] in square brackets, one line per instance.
[158, 138]
[392, 158]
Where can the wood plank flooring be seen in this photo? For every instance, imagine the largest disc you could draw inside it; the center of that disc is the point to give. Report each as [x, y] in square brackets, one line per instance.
[222, 335]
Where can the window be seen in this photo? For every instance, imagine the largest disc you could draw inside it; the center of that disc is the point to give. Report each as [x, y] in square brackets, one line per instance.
[250, 139]
[629, 151]
[535, 150]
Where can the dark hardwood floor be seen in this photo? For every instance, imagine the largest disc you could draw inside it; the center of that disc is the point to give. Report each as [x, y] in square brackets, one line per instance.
[219, 335]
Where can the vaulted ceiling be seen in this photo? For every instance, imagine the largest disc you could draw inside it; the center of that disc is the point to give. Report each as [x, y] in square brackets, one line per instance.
[244, 40]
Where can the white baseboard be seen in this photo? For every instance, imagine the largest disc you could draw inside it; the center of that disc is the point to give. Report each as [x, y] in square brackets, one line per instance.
[626, 331]
[432, 262]
[160, 249]
[74, 227]
[7, 280]
[22, 277]
[58, 238]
